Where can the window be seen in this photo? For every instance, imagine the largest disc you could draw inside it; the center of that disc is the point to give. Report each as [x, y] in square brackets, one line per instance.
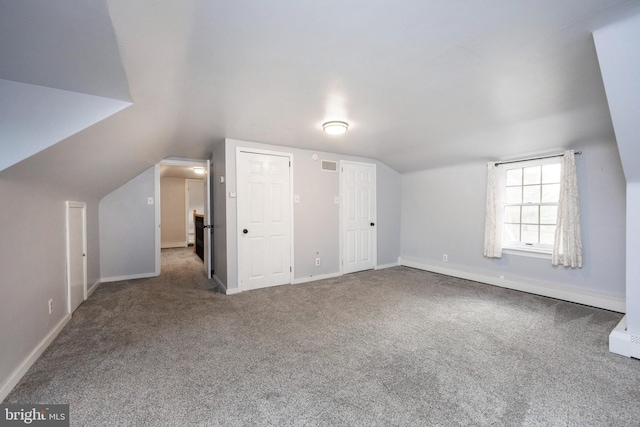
[530, 204]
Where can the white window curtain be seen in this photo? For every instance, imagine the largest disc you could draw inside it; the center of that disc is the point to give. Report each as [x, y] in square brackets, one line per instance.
[567, 248]
[493, 213]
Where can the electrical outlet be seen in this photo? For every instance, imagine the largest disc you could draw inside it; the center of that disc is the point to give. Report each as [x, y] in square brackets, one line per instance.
[51, 306]
[317, 261]
[445, 257]
[149, 200]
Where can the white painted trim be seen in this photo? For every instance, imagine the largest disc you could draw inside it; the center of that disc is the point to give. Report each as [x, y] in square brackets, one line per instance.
[316, 278]
[93, 288]
[383, 266]
[131, 277]
[170, 245]
[76, 205]
[526, 253]
[620, 339]
[224, 288]
[157, 218]
[291, 208]
[170, 161]
[566, 293]
[22, 369]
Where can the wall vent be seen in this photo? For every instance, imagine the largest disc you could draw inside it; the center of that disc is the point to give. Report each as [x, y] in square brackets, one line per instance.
[329, 166]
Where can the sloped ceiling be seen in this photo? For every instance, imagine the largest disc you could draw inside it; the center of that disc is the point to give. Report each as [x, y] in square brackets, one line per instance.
[60, 73]
[423, 83]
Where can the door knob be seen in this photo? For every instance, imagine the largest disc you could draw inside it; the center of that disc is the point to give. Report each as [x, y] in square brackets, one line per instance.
[373, 223]
[245, 231]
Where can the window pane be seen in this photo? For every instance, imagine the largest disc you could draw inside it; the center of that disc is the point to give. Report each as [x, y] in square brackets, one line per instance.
[532, 175]
[514, 195]
[530, 214]
[514, 176]
[529, 234]
[512, 214]
[531, 194]
[551, 173]
[548, 215]
[547, 234]
[511, 232]
[550, 193]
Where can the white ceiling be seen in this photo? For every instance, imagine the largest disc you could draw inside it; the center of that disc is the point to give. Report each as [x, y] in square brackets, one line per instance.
[423, 83]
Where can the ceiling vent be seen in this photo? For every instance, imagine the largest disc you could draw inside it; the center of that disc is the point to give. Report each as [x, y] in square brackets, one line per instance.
[328, 166]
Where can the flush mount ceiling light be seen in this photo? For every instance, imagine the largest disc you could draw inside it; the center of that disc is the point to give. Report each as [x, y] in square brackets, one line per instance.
[335, 127]
[198, 170]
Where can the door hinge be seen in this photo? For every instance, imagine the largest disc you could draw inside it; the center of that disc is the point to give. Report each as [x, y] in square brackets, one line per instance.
[289, 163]
[290, 269]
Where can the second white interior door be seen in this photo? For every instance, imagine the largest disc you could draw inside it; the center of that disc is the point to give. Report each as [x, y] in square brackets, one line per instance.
[264, 220]
[358, 216]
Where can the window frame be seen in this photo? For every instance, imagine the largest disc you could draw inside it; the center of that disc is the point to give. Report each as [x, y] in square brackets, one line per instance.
[521, 248]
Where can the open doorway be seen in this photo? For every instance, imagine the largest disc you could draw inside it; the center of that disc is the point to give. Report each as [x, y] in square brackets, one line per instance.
[183, 214]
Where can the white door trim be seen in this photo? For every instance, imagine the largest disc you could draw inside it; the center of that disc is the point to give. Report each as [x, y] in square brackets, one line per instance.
[291, 192]
[170, 162]
[79, 205]
[342, 227]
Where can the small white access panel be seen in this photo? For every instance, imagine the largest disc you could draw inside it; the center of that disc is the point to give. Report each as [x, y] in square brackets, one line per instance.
[358, 182]
[264, 220]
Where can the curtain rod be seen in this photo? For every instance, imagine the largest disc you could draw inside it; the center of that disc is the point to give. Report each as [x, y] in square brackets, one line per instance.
[577, 153]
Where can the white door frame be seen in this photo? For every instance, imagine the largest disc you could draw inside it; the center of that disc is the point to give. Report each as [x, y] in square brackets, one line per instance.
[73, 205]
[184, 163]
[342, 213]
[291, 191]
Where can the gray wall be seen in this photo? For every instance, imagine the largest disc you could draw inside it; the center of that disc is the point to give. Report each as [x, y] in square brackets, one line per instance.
[33, 259]
[127, 229]
[316, 217]
[173, 212]
[219, 208]
[443, 211]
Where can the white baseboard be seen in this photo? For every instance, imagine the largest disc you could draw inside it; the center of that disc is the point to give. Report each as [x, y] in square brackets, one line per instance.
[170, 245]
[22, 369]
[566, 293]
[224, 288]
[131, 277]
[314, 278]
[383, 266]
[620, 339]
[93, 288]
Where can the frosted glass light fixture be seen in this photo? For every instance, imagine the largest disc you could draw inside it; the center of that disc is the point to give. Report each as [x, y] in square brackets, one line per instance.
[198, 170]
[335, 127]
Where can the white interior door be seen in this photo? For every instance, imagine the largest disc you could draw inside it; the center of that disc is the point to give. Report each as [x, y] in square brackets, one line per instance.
[358, 216]
[264, 220]
[76, 255]
[208, 223]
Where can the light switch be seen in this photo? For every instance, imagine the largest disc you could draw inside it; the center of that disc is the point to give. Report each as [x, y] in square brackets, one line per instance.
[296, 198]
[222, 180]
[232, 194]
[149, 200]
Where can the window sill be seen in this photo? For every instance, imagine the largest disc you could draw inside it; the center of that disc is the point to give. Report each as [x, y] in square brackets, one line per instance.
[532, 253]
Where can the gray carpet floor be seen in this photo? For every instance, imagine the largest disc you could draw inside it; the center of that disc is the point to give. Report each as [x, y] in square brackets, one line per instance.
[391, 347]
